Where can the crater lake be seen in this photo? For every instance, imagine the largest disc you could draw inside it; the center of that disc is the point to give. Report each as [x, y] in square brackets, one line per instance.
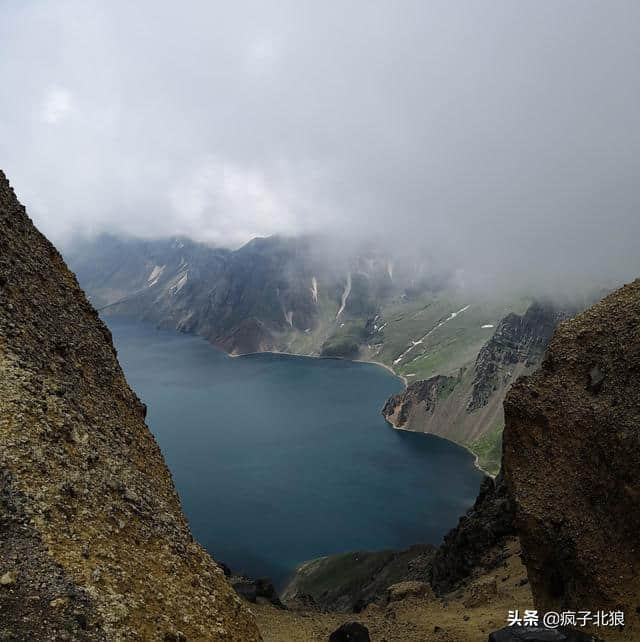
[281, 459]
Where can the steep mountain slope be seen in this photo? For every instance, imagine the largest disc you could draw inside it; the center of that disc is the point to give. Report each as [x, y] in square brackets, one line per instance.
[278, 294]
[295, 295]
[467, 407]
[93, 543]
[571, 458]
[569, 489]
[458, 350]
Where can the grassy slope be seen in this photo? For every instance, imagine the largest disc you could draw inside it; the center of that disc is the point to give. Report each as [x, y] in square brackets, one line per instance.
[488, 449]
[447, 348]
[450, 347]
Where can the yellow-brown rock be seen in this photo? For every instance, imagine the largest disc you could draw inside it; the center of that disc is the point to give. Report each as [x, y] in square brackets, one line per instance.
[92, 535]
[572, 461]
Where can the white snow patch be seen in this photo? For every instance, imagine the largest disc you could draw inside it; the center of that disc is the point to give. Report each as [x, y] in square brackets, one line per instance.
[156, 273]
[345, 294]
[180, 284]
[487, 325]
[288, 316]
[453, 315]
[314, 289]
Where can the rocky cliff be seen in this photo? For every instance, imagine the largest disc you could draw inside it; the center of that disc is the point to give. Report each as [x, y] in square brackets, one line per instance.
[518, 343]
[93, 543]
[412, 407]
[479, 540]
[272, 294]
[571, 458]
[295, 295]
[467, 408]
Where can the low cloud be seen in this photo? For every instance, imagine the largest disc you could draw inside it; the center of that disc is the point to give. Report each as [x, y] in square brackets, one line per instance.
[501, 139]
[227, 204]
[57, 105]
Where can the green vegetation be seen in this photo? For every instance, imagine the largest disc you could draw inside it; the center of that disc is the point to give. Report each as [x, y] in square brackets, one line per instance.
[319, 576]
[449, 385]
[446, 344]
[488, 449]
[346, 341]
[446, 353]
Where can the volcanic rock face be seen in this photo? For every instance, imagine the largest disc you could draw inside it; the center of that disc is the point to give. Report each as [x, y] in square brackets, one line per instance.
[517, 339]
[276, 293]
[467, 408]
[478, 539]
[93, 543]
[424, 394]
[572, 460]
[350, 632]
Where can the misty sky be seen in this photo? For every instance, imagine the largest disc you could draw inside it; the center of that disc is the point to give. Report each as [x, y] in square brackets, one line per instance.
[488, 132]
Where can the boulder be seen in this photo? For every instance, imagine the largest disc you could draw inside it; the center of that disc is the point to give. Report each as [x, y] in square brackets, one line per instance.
[403, 590]
[481, 593]
[8, 578]
[539, 634]
[571, 459]
[350, 632]
[260, 590]
[245, 588]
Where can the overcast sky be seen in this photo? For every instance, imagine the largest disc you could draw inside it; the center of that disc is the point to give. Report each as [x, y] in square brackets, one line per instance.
[492, 131]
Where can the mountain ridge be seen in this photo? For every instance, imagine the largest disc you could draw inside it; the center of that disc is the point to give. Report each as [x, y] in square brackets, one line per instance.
[94, 545]
[301, 296]
[467, 408]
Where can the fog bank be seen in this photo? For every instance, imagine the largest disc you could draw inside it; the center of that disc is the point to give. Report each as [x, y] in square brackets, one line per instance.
[498, 138]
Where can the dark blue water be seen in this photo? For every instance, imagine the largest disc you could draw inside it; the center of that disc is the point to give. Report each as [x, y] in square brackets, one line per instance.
[282, 459]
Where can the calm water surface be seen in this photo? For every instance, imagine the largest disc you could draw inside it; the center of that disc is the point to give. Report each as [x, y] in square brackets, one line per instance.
[282, 459]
